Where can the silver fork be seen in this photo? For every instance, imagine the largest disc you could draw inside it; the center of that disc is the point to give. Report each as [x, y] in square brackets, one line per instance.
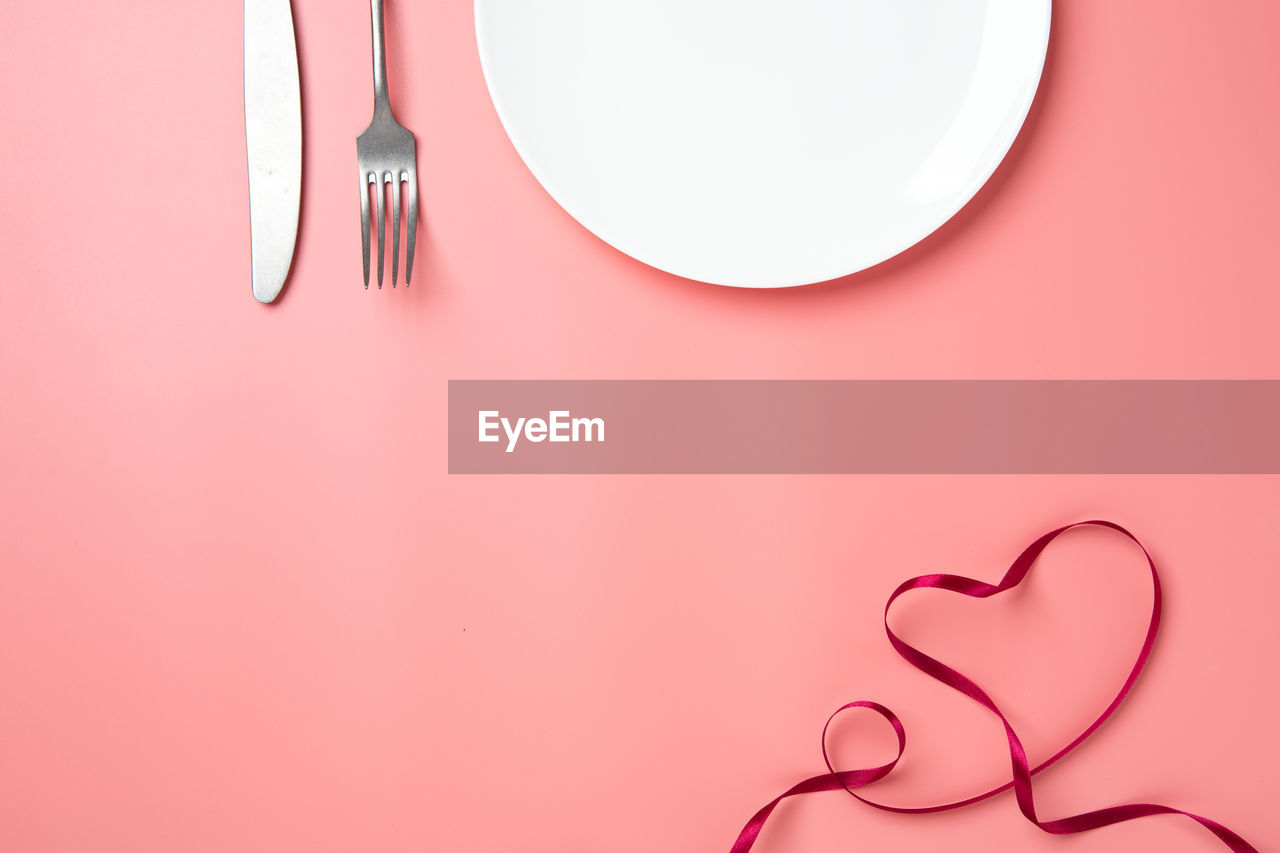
[387, 156]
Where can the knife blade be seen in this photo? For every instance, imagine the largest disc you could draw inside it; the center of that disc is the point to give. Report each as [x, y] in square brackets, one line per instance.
[273, 133]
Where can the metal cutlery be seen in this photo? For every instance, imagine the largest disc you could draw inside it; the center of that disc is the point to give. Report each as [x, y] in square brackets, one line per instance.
[387, 157]
[273, 136]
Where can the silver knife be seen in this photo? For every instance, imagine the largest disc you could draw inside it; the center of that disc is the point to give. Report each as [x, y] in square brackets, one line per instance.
[273, 131]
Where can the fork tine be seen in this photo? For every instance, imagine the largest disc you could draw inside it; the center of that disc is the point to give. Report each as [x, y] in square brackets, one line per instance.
[395, 225]
[382, 223]
[364, 222]
[411, 202]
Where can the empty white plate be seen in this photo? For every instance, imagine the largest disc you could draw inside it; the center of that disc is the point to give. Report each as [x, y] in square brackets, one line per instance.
[762, 143]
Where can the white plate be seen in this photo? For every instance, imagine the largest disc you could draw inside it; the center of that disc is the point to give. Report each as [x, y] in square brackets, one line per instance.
[762, 143]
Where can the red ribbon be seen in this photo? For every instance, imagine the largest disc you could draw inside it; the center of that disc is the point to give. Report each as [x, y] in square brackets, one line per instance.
[848, 780]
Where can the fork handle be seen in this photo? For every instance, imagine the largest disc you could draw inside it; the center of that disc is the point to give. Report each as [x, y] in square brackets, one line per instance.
[381, 101]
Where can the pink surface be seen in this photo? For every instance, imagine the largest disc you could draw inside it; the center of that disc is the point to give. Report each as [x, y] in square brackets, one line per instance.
[243, 607]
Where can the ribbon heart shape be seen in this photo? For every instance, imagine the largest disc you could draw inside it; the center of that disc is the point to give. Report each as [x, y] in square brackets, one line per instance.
[849, 780]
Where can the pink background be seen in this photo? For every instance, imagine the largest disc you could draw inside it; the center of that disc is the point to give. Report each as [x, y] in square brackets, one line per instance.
[243, 607]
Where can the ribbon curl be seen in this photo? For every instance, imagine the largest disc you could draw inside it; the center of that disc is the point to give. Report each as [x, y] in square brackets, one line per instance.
[848, 780]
